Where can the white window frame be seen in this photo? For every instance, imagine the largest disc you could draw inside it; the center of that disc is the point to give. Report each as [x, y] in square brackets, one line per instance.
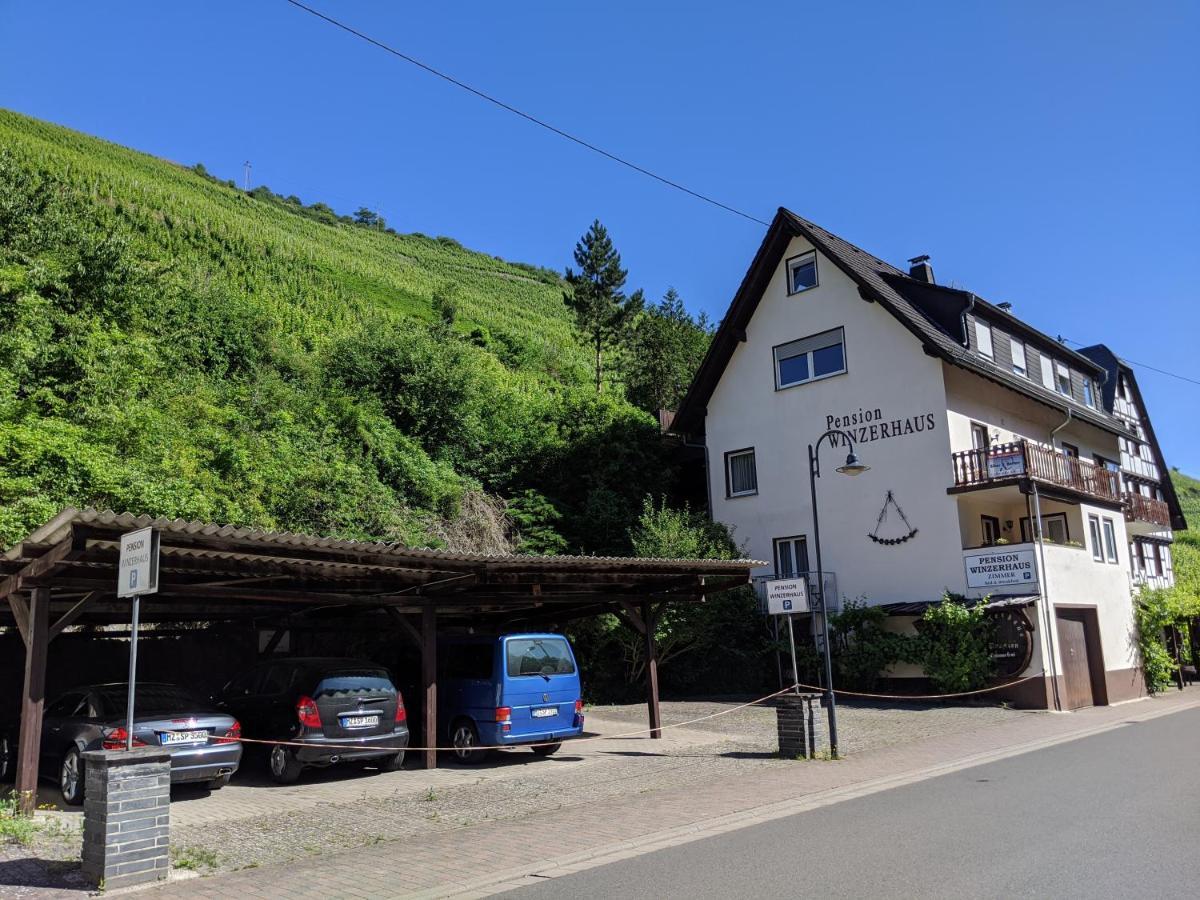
[1095, 535]
[729, 457]
[1109, 528]
[794, 263]
[808, 346]
[983, 338]
[1089, 391]
[1061, 370]
[791, 543]
[1017, 348]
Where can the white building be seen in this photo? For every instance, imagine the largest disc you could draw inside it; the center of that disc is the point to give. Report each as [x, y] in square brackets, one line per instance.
[974, 425]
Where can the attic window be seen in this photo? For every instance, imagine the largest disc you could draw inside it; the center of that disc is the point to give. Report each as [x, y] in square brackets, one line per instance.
[983, 338]
[1062, 378]
[802, 272]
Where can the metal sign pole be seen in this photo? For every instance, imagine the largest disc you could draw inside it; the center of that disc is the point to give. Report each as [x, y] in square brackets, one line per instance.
[133, 642]
[792, 640]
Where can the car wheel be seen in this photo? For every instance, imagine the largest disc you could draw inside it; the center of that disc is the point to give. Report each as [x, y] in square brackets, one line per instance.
[283, 765]
[219, 782]
[546, 749]
[465, 739]
[70, 778]
[393, 763]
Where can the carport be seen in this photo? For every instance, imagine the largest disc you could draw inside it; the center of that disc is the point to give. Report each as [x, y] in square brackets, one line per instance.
[64, 576]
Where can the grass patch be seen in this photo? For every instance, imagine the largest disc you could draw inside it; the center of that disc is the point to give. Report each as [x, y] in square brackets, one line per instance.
[193, 858]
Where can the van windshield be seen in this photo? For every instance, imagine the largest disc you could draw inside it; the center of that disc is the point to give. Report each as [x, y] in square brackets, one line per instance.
[539, 656]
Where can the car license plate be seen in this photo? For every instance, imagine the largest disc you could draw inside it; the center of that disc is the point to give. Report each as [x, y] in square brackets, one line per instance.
[183, 737]
[359, 721]
[545, 712]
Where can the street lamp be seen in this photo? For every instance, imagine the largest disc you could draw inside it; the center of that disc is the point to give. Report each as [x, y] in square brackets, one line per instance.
[853, 466]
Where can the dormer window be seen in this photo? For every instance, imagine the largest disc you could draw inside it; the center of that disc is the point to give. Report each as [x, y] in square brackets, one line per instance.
[1062, 378]
[1089, 392]
[1019, 364]
[983, 338]
[802, 272]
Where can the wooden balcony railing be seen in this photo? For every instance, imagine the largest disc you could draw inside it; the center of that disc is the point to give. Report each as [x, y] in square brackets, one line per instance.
[1147, 509]
[1025, 459]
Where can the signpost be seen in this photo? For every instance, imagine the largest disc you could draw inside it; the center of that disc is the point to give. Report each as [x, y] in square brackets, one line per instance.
[137, 574]
[785, 597]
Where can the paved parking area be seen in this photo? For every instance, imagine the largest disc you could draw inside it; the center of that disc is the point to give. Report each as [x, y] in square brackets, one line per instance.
[253, 823]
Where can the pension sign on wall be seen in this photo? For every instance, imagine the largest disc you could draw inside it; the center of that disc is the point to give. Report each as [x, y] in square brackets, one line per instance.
[1000, 567]
[865, 425]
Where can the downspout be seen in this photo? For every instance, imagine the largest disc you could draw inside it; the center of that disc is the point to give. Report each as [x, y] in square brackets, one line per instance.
[1060, 427]
[1047, 608]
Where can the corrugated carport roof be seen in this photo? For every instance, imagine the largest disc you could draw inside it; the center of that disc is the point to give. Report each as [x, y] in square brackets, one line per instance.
[211, 572]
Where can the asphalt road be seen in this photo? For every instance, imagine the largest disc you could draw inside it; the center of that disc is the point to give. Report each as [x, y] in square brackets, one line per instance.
[1114, 815]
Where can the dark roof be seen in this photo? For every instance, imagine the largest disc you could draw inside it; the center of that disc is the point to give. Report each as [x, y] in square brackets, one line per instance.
[1115, 369]
[932, 313]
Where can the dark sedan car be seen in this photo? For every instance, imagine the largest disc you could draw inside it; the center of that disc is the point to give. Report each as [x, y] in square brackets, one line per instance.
[328, 710]
[94, 718]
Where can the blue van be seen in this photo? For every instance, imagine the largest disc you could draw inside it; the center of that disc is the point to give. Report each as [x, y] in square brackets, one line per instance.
[508, 690]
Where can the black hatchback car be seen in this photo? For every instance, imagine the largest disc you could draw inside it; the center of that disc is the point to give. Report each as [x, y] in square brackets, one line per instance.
[327, 710]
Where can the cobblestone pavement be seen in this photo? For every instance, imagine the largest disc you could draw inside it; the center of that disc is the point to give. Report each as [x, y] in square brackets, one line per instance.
[611, 785]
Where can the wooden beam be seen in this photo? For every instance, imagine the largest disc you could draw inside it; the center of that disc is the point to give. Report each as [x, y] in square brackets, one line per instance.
[33, 700]
[401, 620]
[429, 680]
[71, 615]
[42, 565]
[633, 617]
[651, 671]
[276, 637]
[20, 615]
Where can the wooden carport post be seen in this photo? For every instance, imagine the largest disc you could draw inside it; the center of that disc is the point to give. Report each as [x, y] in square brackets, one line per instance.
[33, 699]
[429, 678]
[651, 670]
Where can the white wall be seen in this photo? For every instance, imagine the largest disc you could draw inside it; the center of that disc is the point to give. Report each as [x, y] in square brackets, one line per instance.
[888, 371]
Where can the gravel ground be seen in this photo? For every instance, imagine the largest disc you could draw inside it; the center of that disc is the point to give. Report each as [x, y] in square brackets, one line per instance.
[739, 743]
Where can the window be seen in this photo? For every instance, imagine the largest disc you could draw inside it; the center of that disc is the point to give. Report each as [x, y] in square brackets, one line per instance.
[979, 437]
[1104, 463]
[1089, 392]
[791, 556]
[802, 272]
[1094, 529]
[1047, 366]
[65, 706]
[1062, 379]
[1110, 540]
[1070, 450]
[810, 358]
[983, 338]
[990, 527]
[1018, 358]
[539, 656]
[1055, 525]
[741, 476]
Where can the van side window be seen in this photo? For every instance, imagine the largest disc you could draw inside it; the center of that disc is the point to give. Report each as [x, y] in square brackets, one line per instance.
[539, 656]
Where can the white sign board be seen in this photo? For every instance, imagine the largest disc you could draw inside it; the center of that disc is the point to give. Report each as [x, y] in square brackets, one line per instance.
[786, 596]
[1006, 465]
[137, 567]
[999, 567]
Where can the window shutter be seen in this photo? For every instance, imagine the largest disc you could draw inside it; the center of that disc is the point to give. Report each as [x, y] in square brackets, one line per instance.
[1018, 356]
[983, 337]
[1047, 372]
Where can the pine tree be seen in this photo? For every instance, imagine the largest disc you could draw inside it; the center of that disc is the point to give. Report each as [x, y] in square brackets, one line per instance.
[667, 346]
[602, 311]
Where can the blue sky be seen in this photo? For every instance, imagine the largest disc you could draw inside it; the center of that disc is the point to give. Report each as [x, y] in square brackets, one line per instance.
[1044, 154]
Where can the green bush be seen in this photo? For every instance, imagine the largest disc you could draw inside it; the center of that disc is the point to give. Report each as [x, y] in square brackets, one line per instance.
[863, 650]
[954, 646]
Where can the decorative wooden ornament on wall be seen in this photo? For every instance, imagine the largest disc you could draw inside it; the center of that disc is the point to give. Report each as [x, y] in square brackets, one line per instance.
[890, 500]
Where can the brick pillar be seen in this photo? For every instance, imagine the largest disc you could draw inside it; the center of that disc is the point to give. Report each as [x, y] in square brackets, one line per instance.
[126, 816]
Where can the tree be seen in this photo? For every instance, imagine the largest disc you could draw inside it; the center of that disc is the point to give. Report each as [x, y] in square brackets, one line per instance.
[369, 218]
[665, 352]
[602, 311]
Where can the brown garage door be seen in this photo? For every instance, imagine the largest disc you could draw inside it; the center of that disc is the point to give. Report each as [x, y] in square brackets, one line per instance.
[1073, 649]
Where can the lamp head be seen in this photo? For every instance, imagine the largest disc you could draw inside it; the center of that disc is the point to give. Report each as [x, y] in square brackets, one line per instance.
[852, 466]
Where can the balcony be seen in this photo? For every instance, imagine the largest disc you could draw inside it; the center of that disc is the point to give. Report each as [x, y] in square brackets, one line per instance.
[1007, 463]
[1147, 509]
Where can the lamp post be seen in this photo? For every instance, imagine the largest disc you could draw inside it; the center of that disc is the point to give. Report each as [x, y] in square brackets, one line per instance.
[852, 467]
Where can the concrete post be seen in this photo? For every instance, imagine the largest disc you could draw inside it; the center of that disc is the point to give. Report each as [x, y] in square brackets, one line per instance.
[126, 816]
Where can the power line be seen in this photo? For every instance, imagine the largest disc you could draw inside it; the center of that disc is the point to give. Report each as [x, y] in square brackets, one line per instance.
[1142, 365]
[524, 115]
